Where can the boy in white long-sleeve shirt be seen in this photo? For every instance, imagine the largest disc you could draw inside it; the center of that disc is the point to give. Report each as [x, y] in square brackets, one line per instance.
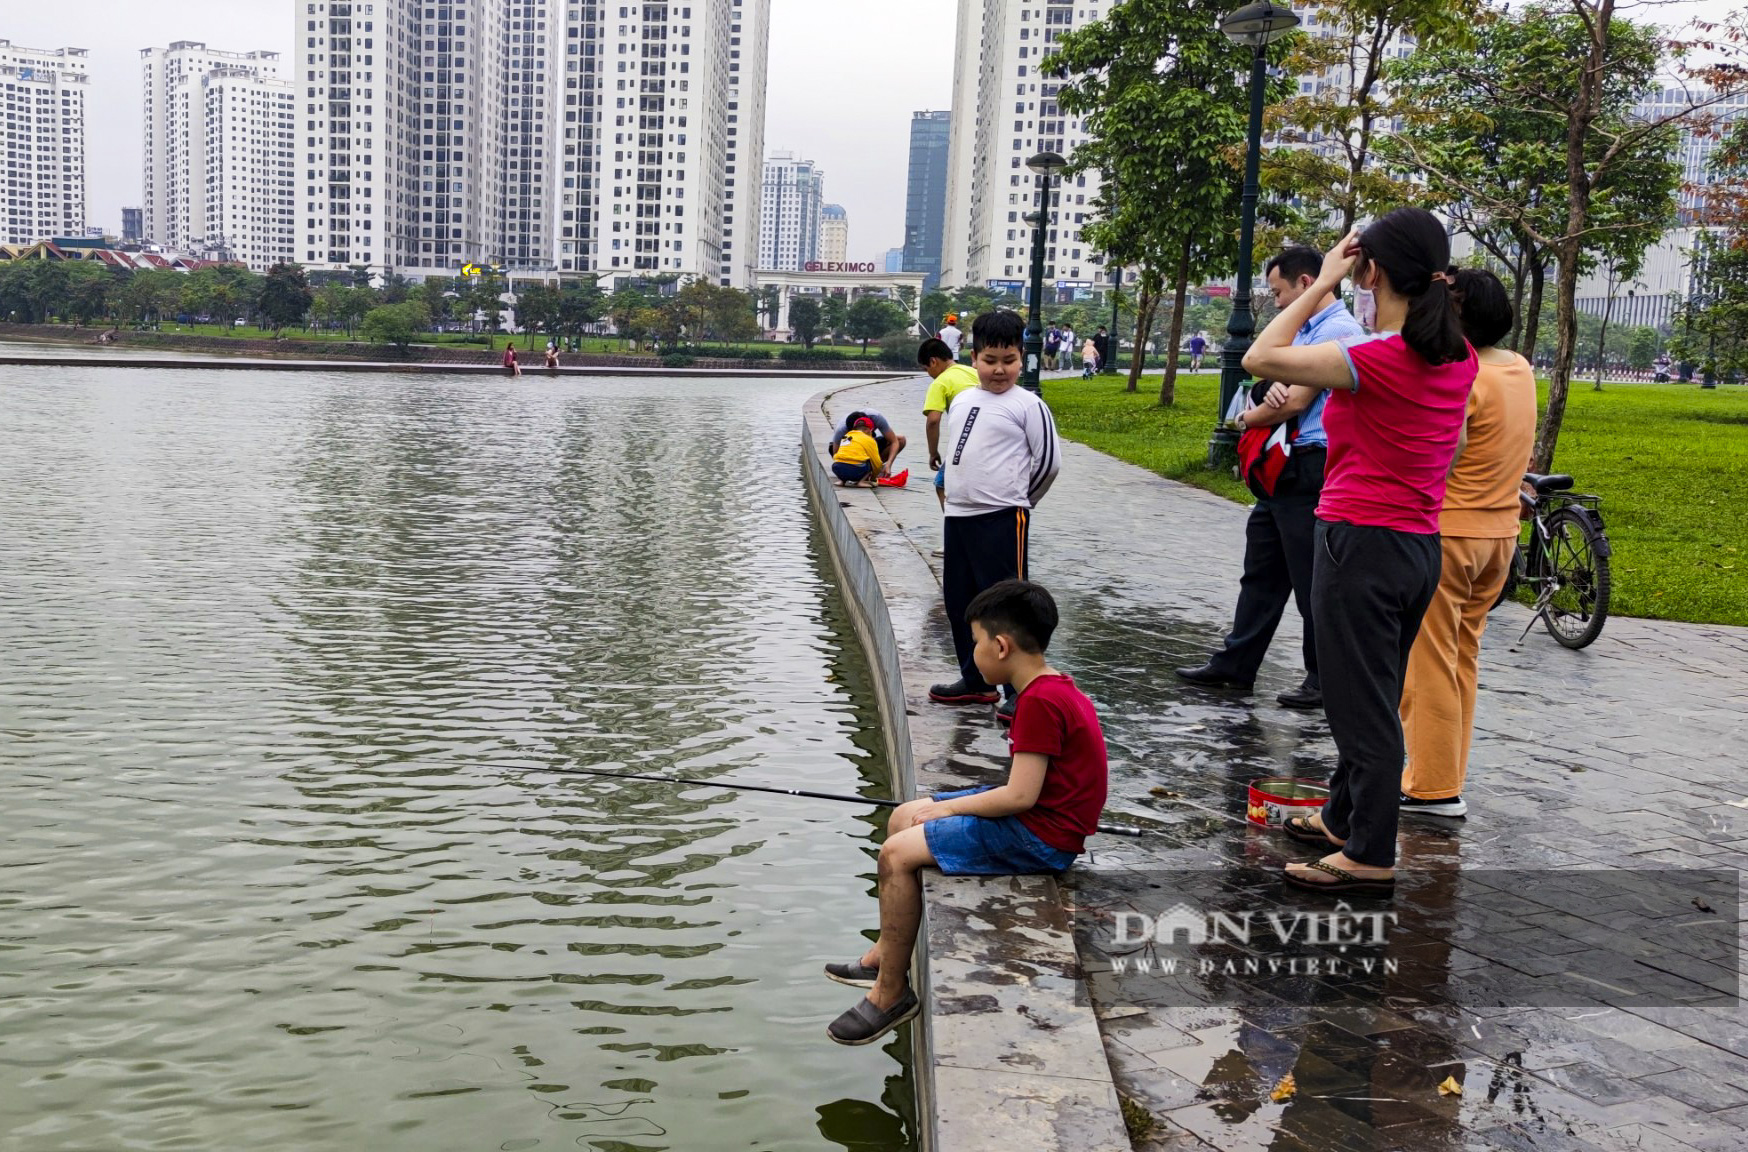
[1002, 457]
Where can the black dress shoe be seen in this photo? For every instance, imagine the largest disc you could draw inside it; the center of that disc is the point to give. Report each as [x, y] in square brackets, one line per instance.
[1210, 677]
[1306, 697]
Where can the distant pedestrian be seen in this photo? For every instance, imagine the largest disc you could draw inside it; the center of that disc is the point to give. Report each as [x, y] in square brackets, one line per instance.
[1089, 356]
[950, 335]
[1478, 531]
[1065, 348]
[1394, 417]
[1101, 343]
[1002, 457]
[1198, 345]
[511, 367]
[1280, 537]
[1052, 344]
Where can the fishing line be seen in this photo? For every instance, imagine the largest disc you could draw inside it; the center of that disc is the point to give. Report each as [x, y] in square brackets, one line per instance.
[1109, 829]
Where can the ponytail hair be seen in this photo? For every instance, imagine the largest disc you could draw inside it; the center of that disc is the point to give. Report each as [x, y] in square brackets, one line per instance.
[1411, 248]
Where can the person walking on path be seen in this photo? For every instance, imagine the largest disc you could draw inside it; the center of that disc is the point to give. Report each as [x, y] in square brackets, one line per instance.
[1101, 343]
[951, 336]
[1394, 418]
[1089, 356]
[1281, 535]
[1002, 458]
[1199, 345]
[1052, 343]
[1478, 531]
[1065, 348]
[946, 380]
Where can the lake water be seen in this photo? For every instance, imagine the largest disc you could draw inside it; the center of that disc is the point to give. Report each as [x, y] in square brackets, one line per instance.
[274, 653]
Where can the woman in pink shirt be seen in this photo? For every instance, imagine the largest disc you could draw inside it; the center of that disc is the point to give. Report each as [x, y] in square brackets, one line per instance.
[1395, 415]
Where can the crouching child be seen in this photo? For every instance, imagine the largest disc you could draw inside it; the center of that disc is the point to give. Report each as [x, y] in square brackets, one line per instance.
[1037, 822]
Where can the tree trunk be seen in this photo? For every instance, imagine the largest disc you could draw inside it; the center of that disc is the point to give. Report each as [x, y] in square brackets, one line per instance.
[1168, 386]
[1146, 307]
[1602, 336]
[1566, 350]
[1518, 271]
[1532, 321]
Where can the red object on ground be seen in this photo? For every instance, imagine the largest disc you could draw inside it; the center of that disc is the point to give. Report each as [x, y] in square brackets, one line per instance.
[898, 481]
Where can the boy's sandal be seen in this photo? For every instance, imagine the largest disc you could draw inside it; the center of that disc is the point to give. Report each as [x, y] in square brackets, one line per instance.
[856, 974]
[1301, 829]
[865, 1023]
[1344, 881]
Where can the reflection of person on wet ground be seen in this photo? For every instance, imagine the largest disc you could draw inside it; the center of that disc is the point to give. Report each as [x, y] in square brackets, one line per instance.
[1036, 823]
[1280, 537]
[946, 380]
[1394, 418]
[1478, 531]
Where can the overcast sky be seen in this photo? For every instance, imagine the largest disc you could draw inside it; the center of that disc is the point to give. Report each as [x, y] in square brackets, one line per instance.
[845, 77]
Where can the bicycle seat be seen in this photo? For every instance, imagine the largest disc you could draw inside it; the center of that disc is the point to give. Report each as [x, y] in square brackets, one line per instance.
[1547, 484]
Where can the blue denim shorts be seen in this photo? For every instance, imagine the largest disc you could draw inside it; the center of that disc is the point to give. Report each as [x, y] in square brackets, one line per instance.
[980, 846]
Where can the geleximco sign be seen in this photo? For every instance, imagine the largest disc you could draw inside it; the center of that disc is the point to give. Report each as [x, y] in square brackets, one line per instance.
[819, 266]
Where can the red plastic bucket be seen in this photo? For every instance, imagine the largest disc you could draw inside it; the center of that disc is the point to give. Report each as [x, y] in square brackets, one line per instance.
[1274, 798]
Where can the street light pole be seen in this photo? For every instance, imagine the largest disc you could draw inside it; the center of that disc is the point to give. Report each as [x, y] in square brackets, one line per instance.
[1046, 165]
[1256, 26]
[1116, 290]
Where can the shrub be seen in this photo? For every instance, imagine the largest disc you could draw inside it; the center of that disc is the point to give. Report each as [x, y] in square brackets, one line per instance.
[678, 360]
[758, 354]
[806, 355]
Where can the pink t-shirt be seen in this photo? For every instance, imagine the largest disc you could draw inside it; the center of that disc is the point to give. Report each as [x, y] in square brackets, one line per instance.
[1392, 439]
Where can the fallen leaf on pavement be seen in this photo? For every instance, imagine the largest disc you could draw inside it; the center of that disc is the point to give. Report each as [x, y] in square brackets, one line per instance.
[1285, 1090]
[1450, 1087]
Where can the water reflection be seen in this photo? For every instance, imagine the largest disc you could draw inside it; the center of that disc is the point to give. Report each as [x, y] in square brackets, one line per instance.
[285, 660]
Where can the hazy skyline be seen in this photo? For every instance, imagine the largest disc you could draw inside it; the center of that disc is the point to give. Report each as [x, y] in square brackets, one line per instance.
[845, 77]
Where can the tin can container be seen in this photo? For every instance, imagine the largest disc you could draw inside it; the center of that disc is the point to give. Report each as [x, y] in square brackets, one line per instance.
[1274, 798]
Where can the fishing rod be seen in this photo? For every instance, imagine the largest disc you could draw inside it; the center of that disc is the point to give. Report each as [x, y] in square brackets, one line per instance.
[1109, 829]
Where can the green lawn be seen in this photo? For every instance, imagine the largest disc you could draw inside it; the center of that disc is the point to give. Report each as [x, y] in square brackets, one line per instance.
[1669, 461]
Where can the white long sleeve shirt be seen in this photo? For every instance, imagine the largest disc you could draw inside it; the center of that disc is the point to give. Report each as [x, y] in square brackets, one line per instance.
[1001, 451]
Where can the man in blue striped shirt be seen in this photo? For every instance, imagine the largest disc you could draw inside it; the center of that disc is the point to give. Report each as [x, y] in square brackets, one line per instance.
[1280, 536]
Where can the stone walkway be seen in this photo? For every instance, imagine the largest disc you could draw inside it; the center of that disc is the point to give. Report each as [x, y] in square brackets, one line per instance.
[1628, 755]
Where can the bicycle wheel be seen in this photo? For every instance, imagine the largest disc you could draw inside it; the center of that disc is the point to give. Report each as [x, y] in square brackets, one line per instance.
[1578, 562]
[1514, 577]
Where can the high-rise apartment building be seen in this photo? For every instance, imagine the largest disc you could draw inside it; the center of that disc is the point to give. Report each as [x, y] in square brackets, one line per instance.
[182, 145]
[133, 227]
[793, 206]
[834, 234]
[748, 64]
[42, 97]
[925, 204]
[1005, 112]
[251, 167]
[563, 136]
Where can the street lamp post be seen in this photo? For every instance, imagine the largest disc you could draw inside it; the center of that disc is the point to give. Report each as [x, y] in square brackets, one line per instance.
[1116, 288]
[1046, 165]
[1256, 26]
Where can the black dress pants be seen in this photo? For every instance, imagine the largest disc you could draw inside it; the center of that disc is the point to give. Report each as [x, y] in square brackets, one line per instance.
[1371, 588]
[978, 552]
[1280, 541]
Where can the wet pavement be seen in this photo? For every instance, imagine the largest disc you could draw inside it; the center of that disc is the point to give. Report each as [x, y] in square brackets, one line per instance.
[1626, 756]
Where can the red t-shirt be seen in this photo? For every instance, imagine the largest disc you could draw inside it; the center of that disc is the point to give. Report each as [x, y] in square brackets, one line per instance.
[1392, 439]
[1055, 719]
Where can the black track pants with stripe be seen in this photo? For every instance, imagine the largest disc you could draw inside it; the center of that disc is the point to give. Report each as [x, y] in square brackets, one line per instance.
[979, 552]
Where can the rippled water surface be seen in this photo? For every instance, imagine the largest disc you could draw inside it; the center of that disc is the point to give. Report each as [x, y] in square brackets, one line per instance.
[272, 649]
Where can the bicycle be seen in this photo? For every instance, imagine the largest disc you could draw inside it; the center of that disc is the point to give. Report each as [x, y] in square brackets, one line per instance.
[1564, 557]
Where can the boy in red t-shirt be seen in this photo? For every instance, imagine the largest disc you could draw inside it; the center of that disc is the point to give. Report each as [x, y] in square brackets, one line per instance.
[1037, 822]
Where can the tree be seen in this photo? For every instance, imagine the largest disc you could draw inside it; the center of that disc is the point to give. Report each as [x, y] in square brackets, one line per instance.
[1327, 133]
[1618, 178]
[286, 297]
[486, 296]
[1642, 346]
[90, 285]
[834, 313]
[770, 305]
[804, 319]
[397, 324]
[1164, 131]
[149, 295]
[872, 317]
[580, 304]
[625, 306]
[537, 308]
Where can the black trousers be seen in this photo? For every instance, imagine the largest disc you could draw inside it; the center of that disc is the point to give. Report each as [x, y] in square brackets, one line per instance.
[1280, 540]
[1371, 588]
[978, 552]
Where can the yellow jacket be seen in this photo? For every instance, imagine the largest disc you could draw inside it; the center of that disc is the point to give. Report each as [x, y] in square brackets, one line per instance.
[858, 447]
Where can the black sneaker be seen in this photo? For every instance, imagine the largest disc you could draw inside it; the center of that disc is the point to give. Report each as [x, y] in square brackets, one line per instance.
[1452, 807]
[1004, 713]
[959, 692]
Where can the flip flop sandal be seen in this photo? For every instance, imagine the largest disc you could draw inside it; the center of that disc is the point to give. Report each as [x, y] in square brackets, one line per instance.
[856, 974]
[865, 1023]
[1301, 829]
[1344, 881]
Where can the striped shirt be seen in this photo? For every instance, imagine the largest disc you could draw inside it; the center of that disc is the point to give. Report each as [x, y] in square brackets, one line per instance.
[1001, 451]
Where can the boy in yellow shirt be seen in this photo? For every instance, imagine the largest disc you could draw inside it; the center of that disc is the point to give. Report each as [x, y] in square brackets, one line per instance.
[858, 456]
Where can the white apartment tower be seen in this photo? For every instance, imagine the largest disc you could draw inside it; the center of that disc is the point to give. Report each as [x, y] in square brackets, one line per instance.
[793, 206]
[42, 96]
[748, 63]
[1004, 112]
[543, 136]
[251, 167]
[180, 142]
